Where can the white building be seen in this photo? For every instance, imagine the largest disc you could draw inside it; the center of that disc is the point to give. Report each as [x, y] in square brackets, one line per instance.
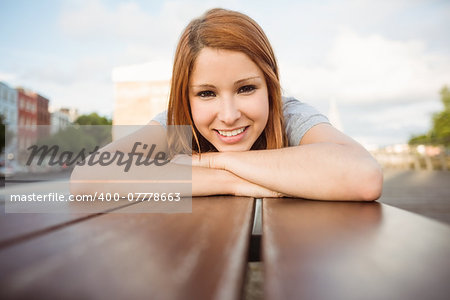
[61, 117]
[8, 108]
[72, 113]
[59, 120]
[141, 92]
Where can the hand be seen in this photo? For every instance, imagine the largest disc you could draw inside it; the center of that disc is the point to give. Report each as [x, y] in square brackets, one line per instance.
[248, 189]
[242, 187]
[239, 186]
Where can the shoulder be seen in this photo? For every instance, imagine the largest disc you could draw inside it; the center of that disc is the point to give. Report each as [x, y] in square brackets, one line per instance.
[161, 118]
[293, 106]
[299, 117]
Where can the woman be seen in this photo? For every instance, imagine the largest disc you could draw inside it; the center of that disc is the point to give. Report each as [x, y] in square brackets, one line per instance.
[248, 140]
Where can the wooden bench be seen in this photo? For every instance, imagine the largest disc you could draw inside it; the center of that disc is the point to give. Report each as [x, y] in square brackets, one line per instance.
[329, 250]
[199, 255]
[310, 250]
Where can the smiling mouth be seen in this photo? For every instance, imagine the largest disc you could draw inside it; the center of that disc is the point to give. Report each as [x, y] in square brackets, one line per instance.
[228, 133]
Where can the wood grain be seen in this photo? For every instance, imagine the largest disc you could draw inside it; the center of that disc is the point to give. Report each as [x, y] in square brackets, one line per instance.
[16, 227]
[198, 255]
[328, 250]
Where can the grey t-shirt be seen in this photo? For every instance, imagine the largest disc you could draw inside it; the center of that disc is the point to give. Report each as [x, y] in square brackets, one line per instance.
[299, 117]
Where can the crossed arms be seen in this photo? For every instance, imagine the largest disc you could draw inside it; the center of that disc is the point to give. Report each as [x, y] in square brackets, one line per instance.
[326, 165]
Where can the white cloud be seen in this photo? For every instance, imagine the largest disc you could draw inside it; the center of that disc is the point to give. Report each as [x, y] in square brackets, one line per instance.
[140, 34]
[5, 76]
[87, 96]
[128, 20]
[367, 69]
[397, 117]
[359, 52]
[93, 19]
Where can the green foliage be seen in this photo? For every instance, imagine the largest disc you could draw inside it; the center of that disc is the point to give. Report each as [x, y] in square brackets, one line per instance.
[441, 128]
[419, 139]
[92, 119]
[70, 139]
[445, 97]
[89, 132]
[440, 132]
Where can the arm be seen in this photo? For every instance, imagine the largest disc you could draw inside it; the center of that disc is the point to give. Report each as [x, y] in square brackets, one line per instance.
[327, 165]
[112, 178]
[209, 181]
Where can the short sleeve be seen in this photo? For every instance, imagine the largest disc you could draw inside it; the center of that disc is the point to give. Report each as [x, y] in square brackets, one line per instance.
[161, 118]
[299, 117]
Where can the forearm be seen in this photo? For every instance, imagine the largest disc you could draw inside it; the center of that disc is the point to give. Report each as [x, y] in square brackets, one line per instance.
[140, 179]
[206, 181]
[324, 171]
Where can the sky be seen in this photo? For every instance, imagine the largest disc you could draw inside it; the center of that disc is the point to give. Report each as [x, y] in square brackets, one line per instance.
[382, 62]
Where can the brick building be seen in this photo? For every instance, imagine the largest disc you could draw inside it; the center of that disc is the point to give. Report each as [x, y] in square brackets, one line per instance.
[42, 116]
[27, 118]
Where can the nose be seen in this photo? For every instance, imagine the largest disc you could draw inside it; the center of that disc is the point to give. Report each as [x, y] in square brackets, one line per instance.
[229, 111]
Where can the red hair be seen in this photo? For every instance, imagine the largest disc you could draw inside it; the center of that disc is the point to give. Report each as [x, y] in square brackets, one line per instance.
[228, 30]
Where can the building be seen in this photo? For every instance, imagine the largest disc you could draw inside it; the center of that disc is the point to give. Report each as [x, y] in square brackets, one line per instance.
[8, 104]
[9, 110]
[59, 120]
[141, 92]
[43, 116]
[72, 113]
[27, 120]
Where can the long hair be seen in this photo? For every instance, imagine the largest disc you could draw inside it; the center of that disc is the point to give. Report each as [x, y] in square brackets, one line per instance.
[228, 30]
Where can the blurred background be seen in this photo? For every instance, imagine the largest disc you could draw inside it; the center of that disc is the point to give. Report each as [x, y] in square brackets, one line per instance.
[380, 70]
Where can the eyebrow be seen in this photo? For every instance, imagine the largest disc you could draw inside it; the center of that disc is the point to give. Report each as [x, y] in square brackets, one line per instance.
[236, 83]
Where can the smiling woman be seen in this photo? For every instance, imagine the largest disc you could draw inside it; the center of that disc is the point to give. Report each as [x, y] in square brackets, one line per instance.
[248, 139]
[229, 108]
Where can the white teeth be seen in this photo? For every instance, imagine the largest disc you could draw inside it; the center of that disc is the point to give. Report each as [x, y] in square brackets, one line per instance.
[231, 133]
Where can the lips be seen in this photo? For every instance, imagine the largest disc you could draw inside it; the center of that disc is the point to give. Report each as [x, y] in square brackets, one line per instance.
[232, 136]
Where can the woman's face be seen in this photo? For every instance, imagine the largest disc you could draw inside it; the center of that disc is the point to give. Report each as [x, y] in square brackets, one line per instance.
[228, 98]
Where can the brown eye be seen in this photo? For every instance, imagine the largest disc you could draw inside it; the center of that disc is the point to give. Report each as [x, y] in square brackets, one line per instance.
[206, 94]
[246, 89]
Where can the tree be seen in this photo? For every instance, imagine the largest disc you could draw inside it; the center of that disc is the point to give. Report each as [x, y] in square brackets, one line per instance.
[92, 119]
[440, 132]
[445, 97]
[89, 132]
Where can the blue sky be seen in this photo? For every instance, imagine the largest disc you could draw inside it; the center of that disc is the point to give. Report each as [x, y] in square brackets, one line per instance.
[383, 62]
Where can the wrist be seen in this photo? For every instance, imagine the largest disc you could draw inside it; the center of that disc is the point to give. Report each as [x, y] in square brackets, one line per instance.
[225, 161]
[229, 181]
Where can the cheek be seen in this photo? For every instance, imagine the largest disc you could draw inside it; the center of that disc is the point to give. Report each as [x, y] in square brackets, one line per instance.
[202, 116]
[259, 111]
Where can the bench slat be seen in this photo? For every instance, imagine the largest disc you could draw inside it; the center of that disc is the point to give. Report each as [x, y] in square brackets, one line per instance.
[198, 255]
[16, 227]
[328, 250]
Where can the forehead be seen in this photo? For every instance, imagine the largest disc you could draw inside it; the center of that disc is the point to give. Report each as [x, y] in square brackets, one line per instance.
[222, 65]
